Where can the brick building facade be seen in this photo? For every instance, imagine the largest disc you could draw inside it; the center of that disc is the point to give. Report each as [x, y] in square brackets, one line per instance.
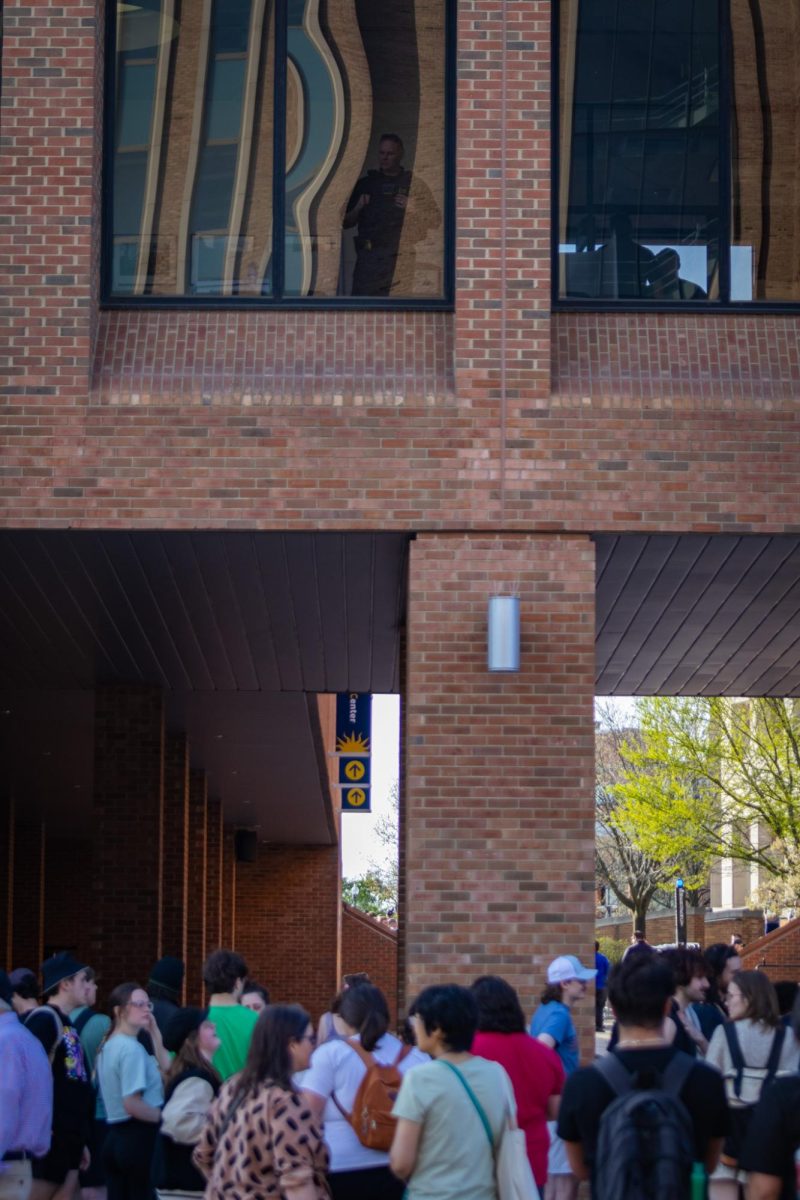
[499, 437]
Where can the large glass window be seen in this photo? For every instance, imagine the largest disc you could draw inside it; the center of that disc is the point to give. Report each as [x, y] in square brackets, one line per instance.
[678, 171]
[278, 150]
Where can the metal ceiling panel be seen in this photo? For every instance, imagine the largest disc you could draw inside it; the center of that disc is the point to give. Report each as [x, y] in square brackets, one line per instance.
[698, 615]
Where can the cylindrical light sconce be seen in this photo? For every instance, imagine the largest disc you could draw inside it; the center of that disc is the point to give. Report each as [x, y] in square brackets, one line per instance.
[503, 640]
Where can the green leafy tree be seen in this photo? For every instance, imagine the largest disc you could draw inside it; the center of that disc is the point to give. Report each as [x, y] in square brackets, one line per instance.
[375, 892]
[634, 873]
[370, 893]
[714, 778]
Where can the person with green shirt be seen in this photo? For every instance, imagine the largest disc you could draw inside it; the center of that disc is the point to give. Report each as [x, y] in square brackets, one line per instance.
[224, 974]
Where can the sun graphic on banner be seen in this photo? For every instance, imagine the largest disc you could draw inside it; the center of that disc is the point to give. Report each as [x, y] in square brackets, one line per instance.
[353, 743]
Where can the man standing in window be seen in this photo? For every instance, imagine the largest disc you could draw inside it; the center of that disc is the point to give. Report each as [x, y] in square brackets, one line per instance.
[381, 205]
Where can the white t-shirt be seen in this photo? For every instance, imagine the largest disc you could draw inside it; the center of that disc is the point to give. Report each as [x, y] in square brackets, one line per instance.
[124, 1068]
[336, 1067]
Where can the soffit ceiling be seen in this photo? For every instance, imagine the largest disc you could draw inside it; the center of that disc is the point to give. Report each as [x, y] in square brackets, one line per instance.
[697, 615]
[239, 629]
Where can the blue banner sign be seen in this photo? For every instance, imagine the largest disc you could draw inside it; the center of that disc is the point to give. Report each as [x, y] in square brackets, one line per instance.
[353, 745]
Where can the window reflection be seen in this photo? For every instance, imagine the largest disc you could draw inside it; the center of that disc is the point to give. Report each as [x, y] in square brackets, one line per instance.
[193, 175]
[639, 203]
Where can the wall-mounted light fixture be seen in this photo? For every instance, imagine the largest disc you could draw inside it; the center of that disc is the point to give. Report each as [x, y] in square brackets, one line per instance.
[503, 639]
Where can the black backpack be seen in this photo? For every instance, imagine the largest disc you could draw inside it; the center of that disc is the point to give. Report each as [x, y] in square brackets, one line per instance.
[645, 1147]
[739, 1118]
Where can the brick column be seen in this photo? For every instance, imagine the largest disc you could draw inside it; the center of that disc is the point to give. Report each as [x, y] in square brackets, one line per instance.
[196, 913]
[503, 202]
[50, 86]
[6, 882]
[289, 918]
[127, 830]
[228, 937]
[499, 769]
[27, 943]
[175, 886]
[214, 875]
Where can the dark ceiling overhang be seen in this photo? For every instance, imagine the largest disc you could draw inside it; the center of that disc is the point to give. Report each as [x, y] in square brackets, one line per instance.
[239, 630]
[715, 615]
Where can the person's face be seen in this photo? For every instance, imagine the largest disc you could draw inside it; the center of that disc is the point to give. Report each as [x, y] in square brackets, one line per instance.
[253, 1001]
[696, 989]
[390, 156]
[733, 965]
[137, 1012]
[572, 990]
[207, 1041]
[301, 1049]
[737, 1005]
[89, 991]
[426, 1041]
[72, 992]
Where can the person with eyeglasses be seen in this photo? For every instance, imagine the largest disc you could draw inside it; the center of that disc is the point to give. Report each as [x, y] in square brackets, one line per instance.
[132, 1089]
[261, 1139]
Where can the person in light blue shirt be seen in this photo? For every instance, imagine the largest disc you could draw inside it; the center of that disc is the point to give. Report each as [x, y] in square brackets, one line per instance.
[133, 1092]
[552, 1024]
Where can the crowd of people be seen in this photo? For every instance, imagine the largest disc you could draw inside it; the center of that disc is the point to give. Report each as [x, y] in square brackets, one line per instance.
[251, 1100]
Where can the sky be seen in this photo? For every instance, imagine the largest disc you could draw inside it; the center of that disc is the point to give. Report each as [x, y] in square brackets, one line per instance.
[360, 846]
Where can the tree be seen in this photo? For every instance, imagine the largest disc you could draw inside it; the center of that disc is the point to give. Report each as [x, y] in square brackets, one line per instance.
[376, 891]
[370, 893]
[635, 875]
[716, 778]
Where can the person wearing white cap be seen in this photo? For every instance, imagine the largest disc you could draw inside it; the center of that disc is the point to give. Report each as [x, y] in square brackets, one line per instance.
[552, 1024]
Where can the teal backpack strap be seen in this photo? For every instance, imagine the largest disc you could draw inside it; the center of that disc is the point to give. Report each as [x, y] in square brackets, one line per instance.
[478, 1107]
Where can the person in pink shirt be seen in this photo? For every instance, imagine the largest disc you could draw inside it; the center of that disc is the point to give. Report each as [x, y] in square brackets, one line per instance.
[535, 1070]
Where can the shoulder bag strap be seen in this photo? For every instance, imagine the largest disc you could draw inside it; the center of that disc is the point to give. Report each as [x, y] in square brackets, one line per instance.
[676, 1073]
[775, 1055]
[367, 1059]
[83, 1019]
[402, 1053]
[478, 1107]
[615, 1073]
[737, 1058]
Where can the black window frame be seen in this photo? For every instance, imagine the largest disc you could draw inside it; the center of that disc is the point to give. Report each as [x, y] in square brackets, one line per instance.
[675, 307]
[275, 300]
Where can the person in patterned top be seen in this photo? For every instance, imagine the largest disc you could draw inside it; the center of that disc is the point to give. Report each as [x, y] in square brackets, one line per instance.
[260, 1139]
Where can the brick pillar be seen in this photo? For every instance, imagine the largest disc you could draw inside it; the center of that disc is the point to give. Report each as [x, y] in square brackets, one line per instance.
[127, 830]
[503, 215]
[289, 915]
[6, 882]
[196, 913]
[213, 875]
[499, 769]
[27, 943]
[175, 886]
[228, 937]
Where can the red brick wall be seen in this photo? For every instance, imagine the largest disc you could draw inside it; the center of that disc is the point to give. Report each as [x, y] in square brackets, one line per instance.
[369, 945]
[128, 792]
[228, 937]
[777, 953]
[703, 927]
[288, 922]
[196, 914]
[214, 876]
[27, 948]
[499, 769]
[175, 890]
[6, 881]
[66, 923]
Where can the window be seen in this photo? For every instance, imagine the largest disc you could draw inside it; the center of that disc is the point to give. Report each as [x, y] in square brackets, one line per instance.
[279, 151]
[678, 174]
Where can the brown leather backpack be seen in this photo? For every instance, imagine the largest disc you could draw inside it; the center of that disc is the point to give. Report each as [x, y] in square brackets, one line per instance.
[371, 1117]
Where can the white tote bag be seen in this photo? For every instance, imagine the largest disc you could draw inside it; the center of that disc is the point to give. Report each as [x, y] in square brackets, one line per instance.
[513, 1172]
